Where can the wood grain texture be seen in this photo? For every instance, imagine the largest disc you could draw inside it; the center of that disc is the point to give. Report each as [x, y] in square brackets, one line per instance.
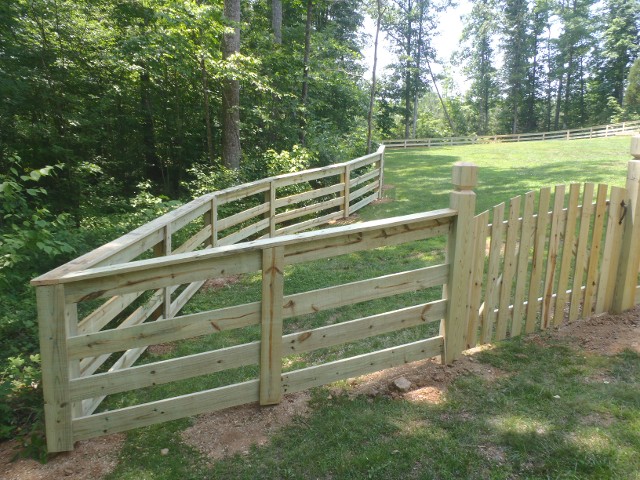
[522, 270]
[271, 323]
[582, 246]
[537, 267]
[569, 246]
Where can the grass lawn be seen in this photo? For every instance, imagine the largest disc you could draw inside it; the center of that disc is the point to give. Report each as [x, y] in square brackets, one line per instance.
[542, 417]
[422, 178]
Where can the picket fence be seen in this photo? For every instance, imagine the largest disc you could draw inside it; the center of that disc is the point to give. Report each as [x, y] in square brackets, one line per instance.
[600, 131]
[515, 275]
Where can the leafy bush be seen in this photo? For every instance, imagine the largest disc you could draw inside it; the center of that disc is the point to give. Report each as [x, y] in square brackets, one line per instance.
[29, 231]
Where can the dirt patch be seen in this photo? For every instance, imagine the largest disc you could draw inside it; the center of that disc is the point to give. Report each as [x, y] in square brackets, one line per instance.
[160, 349]
[605, 334]
[236, 429]
[345, 221]
[388, 186]
[429, 378]
[382, 200]
[220, 282]
[91, 460]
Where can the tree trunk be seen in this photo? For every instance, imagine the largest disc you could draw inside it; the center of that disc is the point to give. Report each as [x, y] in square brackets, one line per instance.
[153, 169]
[276, 21]
[444, 107]
[373, 76]
[207, 112]
[567, 90]
[231, 150]
[416, 79]
[305, 74]
[556, 121]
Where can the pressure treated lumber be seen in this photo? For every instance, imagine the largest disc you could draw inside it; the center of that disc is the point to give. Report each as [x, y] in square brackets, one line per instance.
[364, 290]
[303, 379]
[552, 257]
[568, 248]
[480, 238]
[460, 257]
[53, 325]
[627, 276]
[164, 410]
[539, 243]
[611, 251]
[492, 281]
[581, 252]
[508, 269]
[271, 322]
[595, 253]
[177, 328]
[526, 239]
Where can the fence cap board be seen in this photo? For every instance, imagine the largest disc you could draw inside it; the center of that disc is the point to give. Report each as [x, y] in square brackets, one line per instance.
[224, 251]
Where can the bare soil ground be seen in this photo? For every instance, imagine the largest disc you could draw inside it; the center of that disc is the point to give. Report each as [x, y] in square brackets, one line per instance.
[247, 425]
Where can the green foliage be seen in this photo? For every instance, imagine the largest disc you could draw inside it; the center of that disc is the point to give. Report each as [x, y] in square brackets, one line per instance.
[632, 94]
[21, 413]
[30, 233]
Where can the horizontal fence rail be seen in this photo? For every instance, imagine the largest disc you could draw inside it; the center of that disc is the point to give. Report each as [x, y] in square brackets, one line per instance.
[624, 128]
[550, 256]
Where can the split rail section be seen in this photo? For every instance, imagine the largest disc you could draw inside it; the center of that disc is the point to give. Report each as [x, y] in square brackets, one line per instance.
[600, 131]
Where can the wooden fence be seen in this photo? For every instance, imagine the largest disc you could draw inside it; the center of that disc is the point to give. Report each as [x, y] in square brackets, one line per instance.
[265, 208]
[624, 128]
[516, 284]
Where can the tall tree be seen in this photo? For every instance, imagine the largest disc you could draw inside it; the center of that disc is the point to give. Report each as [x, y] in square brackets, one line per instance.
[632, 94]
[515, 48]
[231, 149]
[372, 94]
[276, 20]
[305, 72]
[478, 53]
[410, 24]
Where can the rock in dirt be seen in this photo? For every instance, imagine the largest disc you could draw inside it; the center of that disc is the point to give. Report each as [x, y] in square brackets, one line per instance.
[401, 384]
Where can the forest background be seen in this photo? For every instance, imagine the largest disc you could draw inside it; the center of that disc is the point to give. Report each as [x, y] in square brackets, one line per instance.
[111, 113]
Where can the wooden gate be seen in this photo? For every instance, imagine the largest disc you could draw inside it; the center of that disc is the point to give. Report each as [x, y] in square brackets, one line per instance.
[554, 258]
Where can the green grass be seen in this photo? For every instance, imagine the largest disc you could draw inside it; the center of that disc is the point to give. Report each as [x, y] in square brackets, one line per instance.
[513, 427]
[422, 178]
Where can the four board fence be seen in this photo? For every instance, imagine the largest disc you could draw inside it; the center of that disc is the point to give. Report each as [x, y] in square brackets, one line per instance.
[264, 208]
[624, 128]
[523, 279]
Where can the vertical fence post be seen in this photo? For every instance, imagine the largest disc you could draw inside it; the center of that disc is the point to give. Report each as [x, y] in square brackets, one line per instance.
[53, 327]
[381, 174]
[627, 278]
[346, 178]
[271, 336]
[207, 219]
[460, 258]
[163, 249]
[270, 198]
[214, 221]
